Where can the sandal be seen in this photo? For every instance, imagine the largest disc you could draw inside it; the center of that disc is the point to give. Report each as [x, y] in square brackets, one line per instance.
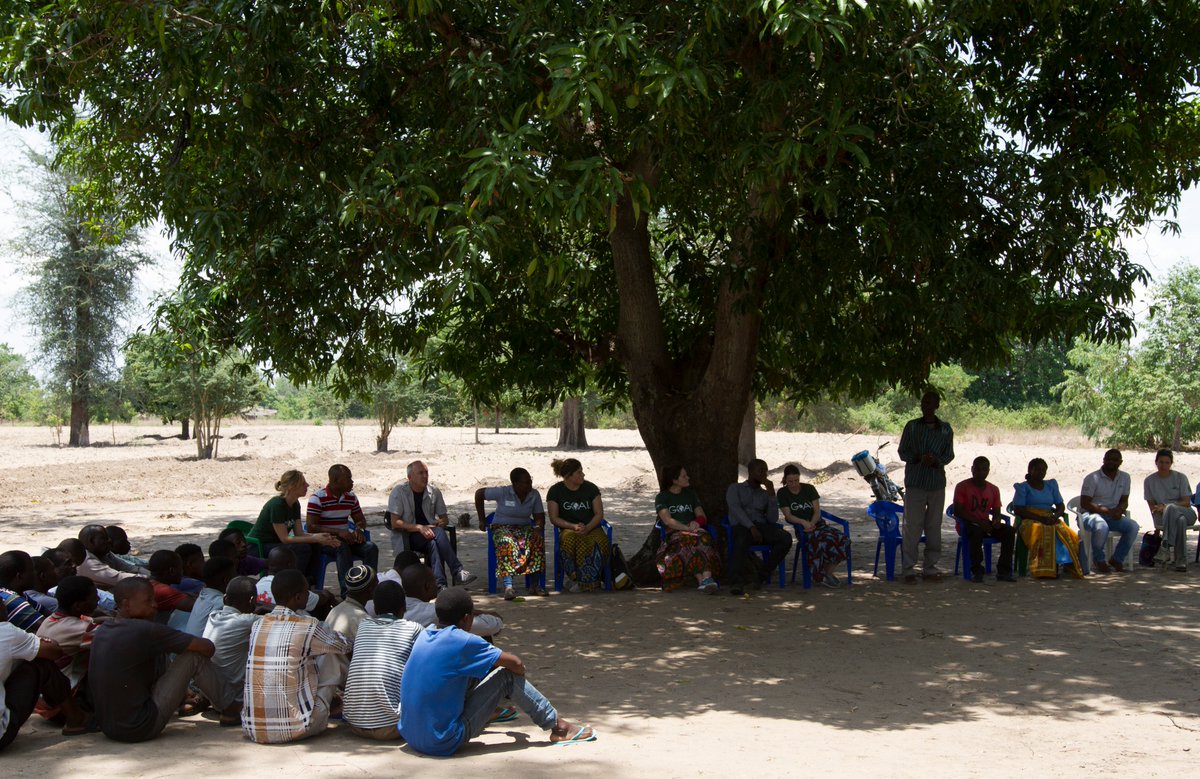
[510, 593]
[541, 592]
[582, 733]
[192, 705]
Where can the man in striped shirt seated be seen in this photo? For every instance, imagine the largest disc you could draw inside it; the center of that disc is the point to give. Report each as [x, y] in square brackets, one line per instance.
[334, 509]
[380, 651]
[296, 664]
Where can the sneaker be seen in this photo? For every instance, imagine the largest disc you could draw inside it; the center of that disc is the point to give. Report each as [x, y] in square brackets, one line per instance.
[830, 581]
[464, 577]
[708, 586]
[510, 593]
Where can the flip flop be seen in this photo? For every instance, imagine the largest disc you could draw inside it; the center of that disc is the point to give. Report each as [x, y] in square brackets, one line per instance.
[507, 714]
[579, 738]
[90, 727]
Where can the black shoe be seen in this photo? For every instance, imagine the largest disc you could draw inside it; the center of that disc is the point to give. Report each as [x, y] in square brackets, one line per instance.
[1005, 577]
[977, 578]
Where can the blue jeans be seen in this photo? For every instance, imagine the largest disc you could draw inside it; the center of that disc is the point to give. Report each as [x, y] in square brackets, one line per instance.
[366, 551]
[499, 684]
[439, 551]
[1100, 526]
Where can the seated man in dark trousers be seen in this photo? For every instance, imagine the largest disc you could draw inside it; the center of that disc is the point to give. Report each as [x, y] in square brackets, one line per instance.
[753, 512]
[417, 510]
[134, 701]
[28, 672]
[441, 709]
[977, 508]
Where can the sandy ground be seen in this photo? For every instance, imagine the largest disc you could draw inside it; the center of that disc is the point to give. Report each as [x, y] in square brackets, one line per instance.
[1036, 678]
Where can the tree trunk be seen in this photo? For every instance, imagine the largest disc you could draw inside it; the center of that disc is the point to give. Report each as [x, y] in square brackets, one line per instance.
[477, 421]
[341, 426]
[381, 442]
[80, 434]
[746, 450]
[689, 409]
[497, 431]
[572, 433]
[185, 431]
[1177, 434]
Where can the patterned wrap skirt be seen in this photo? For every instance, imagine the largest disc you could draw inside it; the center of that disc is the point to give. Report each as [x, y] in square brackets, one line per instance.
[520, 549]
[584, 555]
[684, 556]
[826, 546]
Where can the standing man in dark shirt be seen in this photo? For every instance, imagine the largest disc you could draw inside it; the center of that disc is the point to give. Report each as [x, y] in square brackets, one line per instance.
[753, 512]
[926, 447]
[416, 509]
[133, 700]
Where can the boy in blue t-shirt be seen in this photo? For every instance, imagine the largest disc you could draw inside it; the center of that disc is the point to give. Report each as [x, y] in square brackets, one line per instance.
[440, 711]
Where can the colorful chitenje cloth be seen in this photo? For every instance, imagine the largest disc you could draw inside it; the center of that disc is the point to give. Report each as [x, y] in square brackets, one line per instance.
[583, 556]
[520, 549]
[685, 555]
[1040, 538]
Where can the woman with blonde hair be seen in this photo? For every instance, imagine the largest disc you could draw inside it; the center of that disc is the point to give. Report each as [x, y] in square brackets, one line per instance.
[576, 510]
[279, 523]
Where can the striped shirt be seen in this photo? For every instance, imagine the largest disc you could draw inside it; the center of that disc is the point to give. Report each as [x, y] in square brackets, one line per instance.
[22, 612]
[329, 512]
[74, 636]
[376, 668]
[281, 675]
[920, 439]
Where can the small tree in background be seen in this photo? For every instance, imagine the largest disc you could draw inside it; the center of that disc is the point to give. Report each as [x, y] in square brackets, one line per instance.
[1148, 395]
[211, 381]
[16, 385]
[81, 285]
[396, 400]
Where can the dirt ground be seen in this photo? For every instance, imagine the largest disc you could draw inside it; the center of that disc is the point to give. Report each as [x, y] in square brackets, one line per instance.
[954, 679]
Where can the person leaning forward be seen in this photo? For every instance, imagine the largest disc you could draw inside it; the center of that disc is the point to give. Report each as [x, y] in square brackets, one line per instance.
[417, 511]
[977, 508]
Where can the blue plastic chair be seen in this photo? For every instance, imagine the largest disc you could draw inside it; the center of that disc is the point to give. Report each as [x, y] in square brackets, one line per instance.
[801, 553]
[762, 549]
[329, 557]
[963, 555]
[560, 574]
[887, 518]
[529, 577]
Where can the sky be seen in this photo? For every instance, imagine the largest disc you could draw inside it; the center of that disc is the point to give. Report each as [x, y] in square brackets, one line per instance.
[1152, 249]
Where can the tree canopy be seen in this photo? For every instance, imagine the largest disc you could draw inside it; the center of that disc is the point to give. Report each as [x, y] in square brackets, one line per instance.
[804, 197]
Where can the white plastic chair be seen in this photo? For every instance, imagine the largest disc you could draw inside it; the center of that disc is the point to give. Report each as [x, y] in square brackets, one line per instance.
[1085, 538]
